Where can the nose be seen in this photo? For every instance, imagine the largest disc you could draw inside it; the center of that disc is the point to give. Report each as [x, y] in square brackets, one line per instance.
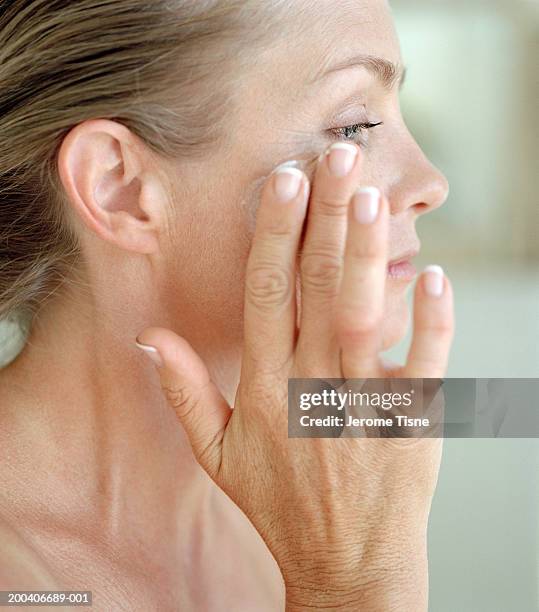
[419, 185]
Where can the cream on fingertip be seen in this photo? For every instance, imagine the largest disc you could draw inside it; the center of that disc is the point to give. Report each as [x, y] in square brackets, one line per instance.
[287, 183]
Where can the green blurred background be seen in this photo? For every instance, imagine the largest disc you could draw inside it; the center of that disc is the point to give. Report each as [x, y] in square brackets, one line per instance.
[472, 101]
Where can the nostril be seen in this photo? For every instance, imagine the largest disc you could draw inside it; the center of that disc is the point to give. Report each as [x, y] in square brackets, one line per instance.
[422, 207]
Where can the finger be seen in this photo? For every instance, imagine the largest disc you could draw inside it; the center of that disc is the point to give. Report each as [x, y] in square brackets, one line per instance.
[336, 179]
[185, 380]
[360, 306]
[433, 325]
[270, 302]
[390, 368]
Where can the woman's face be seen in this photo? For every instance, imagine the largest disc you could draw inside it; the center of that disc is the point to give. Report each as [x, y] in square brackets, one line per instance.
[334, 66]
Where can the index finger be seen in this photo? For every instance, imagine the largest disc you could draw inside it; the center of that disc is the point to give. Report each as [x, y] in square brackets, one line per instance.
[270, 297]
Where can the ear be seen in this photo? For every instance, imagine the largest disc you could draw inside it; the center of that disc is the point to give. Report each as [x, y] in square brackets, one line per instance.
[108, 176]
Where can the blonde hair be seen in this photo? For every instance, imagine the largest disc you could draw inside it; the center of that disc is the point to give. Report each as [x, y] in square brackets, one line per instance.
[165, 69]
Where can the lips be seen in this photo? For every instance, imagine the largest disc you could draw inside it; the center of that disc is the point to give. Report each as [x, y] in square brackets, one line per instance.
[401, 268]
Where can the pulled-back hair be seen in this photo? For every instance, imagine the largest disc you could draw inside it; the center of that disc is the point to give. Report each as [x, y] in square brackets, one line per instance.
[165, 69]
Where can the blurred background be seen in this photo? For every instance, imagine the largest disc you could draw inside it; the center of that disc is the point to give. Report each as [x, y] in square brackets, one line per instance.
[471, 99]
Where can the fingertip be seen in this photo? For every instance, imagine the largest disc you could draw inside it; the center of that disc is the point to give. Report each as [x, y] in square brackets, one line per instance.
[288, 184]
[172, 352]
[151, 341]
[340, 160]
[433, 300]
[434, 288]
[385, 201]
[385, 211]
[152, 352]
[433, 281]
[448, 287]
[156, 340]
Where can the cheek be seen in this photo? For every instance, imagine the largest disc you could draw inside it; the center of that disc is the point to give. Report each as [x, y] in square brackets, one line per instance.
[203, 275]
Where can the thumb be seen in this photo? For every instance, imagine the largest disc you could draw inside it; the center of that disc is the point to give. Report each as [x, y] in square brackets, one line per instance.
[186, 382]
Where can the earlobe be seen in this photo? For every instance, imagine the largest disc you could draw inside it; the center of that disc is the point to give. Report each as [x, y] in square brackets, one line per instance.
[108, 180]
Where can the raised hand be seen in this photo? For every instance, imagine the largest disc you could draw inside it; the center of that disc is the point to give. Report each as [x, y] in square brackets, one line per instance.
[345, 518]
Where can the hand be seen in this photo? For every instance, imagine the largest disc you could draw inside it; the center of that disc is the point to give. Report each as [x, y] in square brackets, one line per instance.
[344, 518]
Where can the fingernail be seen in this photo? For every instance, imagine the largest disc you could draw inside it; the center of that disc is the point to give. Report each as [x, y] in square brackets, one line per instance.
[434, 280]
[292, 163]
[366, 204]
[152, 353]
[341, 158]
[286, 182]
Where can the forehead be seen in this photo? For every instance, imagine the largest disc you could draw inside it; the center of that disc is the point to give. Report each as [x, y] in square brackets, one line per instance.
[314, 36]
[329, 31]
[278, 81]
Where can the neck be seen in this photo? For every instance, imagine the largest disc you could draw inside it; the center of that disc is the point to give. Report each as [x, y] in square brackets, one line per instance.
[86, 418]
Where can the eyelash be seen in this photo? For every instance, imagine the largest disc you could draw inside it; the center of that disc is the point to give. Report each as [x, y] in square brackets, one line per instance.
[357, 131]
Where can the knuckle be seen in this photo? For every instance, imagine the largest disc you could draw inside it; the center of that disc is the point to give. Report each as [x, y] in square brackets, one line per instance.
[329, 205]
[265, 370]
[443, 329]
[368, 253]
[268, 397]
[268, 286]
[355, 325]
[180, 398]
[280, 228]
[267, 390]
[320, 271]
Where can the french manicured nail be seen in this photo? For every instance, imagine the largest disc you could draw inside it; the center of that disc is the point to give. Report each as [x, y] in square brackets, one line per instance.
[291, 163]
[286, 182]
[152, 353]
[366, 204]
[341, 158]
[434, 280]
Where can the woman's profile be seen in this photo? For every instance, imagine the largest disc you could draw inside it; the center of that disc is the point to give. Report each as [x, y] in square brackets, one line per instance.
[231, 186]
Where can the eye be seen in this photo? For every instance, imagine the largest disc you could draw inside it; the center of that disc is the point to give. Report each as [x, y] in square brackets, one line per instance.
[356, 132]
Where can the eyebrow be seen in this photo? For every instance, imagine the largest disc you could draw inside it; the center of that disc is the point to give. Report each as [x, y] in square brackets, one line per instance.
[388, 73]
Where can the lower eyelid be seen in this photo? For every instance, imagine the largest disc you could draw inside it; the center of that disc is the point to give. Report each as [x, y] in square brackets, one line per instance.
[359, 138]
[362, 135]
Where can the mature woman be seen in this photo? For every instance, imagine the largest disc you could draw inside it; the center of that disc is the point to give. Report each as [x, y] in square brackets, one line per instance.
[137, 147]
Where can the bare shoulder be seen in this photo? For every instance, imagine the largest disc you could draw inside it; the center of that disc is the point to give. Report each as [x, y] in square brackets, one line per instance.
[21, 567]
